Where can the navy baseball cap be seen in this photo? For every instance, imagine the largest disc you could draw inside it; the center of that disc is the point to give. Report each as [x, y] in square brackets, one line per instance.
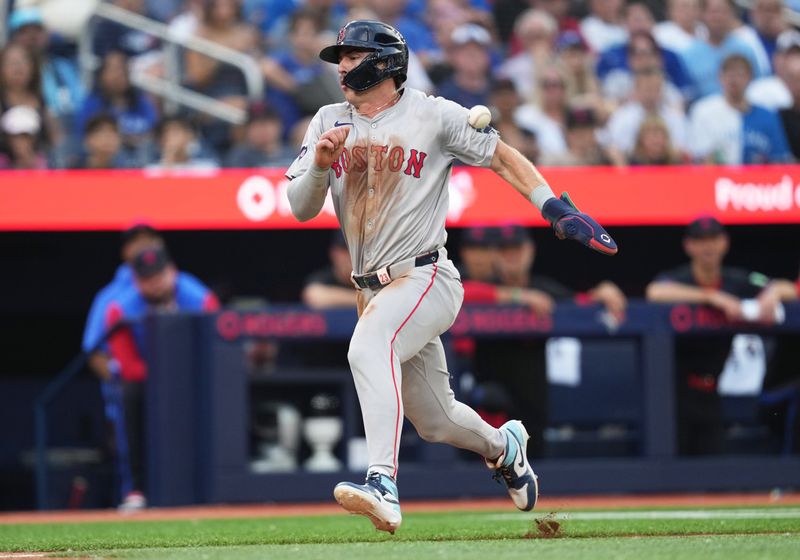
[513, 235]
[480, 236]
[704, 226]
[150, 261]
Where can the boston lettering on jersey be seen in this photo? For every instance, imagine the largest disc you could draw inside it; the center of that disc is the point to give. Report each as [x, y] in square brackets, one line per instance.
[381, 157]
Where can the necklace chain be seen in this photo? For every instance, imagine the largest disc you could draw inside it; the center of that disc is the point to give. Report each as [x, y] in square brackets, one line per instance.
[393, 99]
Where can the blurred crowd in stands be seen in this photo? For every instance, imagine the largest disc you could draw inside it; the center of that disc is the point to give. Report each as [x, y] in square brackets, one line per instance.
[569, 82]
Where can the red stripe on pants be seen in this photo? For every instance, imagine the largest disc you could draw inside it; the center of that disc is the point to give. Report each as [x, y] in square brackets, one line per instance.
[391, 362]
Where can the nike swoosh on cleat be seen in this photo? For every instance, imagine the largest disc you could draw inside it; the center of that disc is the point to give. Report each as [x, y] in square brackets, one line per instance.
[337, 123]
[521, 463]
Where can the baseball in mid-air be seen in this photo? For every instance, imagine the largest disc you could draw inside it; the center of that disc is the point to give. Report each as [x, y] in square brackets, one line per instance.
[479, 116]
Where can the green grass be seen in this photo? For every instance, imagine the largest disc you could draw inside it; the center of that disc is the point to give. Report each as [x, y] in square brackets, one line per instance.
[732, 534]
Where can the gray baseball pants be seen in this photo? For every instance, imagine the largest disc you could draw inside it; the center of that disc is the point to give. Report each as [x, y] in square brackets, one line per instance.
[399, 367]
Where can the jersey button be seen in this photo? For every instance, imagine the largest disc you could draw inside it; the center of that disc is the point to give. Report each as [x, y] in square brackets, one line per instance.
[373, 125]
[370, 224]
[371, 192]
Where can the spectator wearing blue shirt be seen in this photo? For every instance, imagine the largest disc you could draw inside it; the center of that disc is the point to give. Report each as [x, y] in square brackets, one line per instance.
[727, 129]
[470, 58]
[766, 24]
[790, 116]
[163, 10]
[112, 36]
[417, 34]
[180, 147]
[617, 62]
[61, 88]
[703, 58]
[221, 22]
[617, 66]
[262, 145]
[299, 81]
[114, 94]
[264, 14]
[102, 145]
[640, 24]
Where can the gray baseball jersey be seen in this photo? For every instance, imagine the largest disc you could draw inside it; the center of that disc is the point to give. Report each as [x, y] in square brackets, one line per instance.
[389, 187]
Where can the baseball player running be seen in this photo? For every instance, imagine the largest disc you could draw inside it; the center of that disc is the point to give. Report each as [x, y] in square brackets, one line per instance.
[386, 155]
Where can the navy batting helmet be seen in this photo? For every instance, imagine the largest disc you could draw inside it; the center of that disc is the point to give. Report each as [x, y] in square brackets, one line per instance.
[388, 59]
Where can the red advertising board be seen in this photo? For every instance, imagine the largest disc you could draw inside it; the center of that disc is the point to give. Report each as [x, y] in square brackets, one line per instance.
[256, 199]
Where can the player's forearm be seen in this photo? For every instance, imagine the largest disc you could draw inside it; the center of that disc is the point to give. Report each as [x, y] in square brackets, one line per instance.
[521, 174]
[99, 363]
[674, 292]
[783, 290]
[307, 193]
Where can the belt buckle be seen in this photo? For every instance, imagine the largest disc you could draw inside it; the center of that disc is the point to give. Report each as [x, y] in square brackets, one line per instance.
[383, 275]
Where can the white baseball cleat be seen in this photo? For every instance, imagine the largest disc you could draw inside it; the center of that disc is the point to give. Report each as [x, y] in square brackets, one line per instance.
[514, 469]
[134, 501]
[377, 499]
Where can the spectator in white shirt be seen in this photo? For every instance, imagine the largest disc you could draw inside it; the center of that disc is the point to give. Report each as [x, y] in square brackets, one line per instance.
[547, 116]
[683, 28]
[727, 129]
[620, 133]
[603, 27]
[771, 91]
[536, 30]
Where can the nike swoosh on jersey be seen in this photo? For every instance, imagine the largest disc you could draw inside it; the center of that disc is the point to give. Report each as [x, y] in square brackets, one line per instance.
[337, 123]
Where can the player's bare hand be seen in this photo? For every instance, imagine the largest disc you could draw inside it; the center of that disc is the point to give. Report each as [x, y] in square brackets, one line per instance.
[768, 301]
[730, 305]
[537, 301]
[330, 146]
[612, 297]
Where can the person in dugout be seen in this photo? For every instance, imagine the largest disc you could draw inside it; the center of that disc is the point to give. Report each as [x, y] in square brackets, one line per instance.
[158, 287]
[498, 264]
[699, 361]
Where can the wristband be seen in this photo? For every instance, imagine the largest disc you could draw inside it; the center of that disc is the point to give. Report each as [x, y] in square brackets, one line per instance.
[541, 194]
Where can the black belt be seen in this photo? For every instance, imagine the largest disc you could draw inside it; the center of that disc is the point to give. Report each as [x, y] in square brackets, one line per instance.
[373, 281]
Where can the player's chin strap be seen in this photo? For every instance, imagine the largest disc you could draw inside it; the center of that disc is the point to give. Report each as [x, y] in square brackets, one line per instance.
[570, 223]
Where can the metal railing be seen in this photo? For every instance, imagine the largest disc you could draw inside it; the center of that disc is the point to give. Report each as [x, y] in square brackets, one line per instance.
[169, 86]
[41, 415]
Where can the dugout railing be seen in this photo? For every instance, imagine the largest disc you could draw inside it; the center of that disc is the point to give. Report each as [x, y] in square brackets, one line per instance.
[198, 417]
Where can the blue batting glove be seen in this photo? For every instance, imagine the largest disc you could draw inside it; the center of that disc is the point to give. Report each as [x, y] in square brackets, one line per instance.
[570, 223]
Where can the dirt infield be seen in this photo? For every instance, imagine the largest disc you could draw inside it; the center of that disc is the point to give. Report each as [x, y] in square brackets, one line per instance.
[277, 510]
